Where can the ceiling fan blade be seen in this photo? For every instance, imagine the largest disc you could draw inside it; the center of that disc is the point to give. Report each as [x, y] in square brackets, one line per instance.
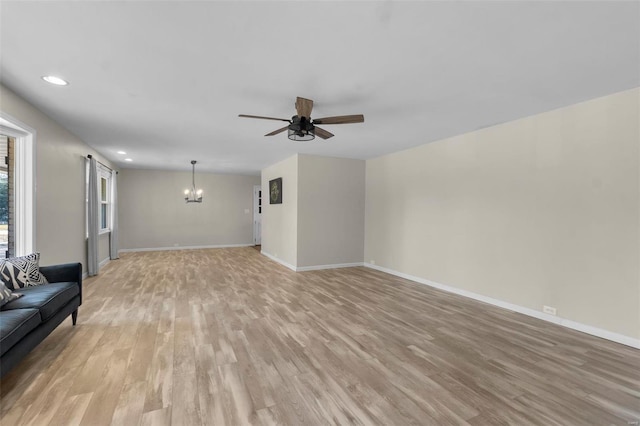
[322, 133]
[341, 119]
[304, 107]
[264, 118]
[275, 132]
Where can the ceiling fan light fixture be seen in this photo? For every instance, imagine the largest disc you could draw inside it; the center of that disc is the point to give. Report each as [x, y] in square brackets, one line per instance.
[302, 135]
[301, 129]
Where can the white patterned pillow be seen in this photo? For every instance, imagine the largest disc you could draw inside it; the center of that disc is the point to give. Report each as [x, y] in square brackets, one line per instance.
[20, 272]
[7, 295]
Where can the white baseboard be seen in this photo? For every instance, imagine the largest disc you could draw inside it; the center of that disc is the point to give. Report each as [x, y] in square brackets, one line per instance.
[594, 331]
[183, 248]
[333, 266]
[310, 268]
[280, 261]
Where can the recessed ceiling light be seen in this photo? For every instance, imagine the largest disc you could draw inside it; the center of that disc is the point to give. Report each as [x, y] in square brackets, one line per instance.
[55, 80]
[121, 152]
[128, 159]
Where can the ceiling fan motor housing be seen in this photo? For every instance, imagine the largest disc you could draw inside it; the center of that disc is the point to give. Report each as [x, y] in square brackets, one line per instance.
[301, 123]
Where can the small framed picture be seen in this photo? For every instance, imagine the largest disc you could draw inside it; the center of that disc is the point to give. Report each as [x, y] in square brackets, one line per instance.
[275, 191]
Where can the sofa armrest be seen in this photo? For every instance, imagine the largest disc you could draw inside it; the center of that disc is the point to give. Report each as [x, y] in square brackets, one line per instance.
[68, 272]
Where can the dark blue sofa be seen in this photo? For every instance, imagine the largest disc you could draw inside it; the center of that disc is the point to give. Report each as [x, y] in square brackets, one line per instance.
[25, 322]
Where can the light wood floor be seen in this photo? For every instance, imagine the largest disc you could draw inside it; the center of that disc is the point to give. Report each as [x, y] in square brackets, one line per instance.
[226, 336]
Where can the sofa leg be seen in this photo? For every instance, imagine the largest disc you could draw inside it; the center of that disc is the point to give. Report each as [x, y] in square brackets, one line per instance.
[74, 316]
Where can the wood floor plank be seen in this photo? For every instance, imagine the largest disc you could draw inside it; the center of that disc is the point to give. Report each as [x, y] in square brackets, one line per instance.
[186, 408]
[210, 401]
[88, 378]
[139, 365]
[107, 394]
[161, 417]
[43, 409]
[237, 403]
[130, 405]
[71, 411]
[160, 378]
[228, 337]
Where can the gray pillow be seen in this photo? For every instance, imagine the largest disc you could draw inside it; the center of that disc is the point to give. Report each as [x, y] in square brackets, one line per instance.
[7, 295]
[20, 272]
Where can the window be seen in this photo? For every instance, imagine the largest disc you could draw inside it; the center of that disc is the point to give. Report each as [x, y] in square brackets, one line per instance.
[105, 186]
[104, 198]
[21, 184]
[104, 194]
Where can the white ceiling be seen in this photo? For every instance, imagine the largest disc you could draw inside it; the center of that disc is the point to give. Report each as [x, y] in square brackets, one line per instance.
[165, 81]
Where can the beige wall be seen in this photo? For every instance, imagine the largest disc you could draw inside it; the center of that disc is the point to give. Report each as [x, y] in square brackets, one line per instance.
[280, 221]
[539, 211]
[330, 210]
[60, 184]
[153, 213]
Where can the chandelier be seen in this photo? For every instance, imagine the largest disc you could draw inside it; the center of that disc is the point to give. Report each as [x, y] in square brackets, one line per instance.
[192, 195]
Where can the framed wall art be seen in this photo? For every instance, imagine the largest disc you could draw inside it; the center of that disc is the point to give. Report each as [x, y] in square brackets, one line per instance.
[275, 191]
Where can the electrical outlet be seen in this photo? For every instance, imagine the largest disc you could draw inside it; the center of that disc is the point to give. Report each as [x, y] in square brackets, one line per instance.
[548, 310]
[373, 262]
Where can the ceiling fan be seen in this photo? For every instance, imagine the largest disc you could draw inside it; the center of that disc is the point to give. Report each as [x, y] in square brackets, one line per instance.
[302, 128]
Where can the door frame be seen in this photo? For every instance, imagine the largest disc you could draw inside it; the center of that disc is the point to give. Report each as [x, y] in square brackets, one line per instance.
[257, 215]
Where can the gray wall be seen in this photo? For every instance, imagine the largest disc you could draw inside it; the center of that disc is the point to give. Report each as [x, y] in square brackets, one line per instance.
[330, 211]
[153, 213]
[538, 211]
[321, 219]
[60, 185]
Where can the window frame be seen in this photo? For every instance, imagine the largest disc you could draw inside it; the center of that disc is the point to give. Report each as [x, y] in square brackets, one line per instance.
[104, 214]
[103, 172]
[24, 182]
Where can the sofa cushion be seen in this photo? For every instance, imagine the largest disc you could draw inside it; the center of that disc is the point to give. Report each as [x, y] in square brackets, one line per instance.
[23, 271]
[48, 298]
[15, 324]
[6, 295]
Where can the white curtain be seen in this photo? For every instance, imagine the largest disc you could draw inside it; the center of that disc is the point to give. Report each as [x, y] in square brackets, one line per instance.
[113, 247]
[92, 219]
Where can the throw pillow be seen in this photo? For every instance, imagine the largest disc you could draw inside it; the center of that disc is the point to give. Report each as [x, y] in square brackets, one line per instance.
[20, 272]
[7, 295]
